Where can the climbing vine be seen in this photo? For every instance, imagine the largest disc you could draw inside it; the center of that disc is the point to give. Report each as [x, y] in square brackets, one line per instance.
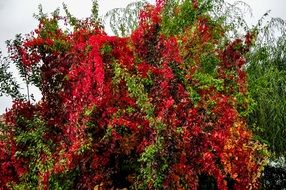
[153, 110]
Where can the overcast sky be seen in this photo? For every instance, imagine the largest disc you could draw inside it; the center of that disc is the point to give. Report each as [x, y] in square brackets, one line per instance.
[17, 17]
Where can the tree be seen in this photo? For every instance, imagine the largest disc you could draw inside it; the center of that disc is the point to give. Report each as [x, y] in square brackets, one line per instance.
[266, 76]
[159, 109]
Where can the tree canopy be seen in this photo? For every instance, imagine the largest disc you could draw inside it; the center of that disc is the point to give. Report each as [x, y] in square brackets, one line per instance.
[157, 107]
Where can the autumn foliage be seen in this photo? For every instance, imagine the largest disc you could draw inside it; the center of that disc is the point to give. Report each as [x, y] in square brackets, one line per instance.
[154, 110]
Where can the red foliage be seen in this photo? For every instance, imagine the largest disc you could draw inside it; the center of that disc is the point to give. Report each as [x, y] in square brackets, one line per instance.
[107, 100]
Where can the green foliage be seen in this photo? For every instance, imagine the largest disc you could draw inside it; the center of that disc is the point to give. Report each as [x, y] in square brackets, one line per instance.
[71, 19]
[206, 81]
[94, 11]
[173, 22]
[209, 63]
[64, 181]
[135, 87]
[8, 84]
[32, 138]
[267, 82]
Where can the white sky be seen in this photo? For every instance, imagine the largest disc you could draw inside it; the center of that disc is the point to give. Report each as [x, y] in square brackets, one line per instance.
[16, 16]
